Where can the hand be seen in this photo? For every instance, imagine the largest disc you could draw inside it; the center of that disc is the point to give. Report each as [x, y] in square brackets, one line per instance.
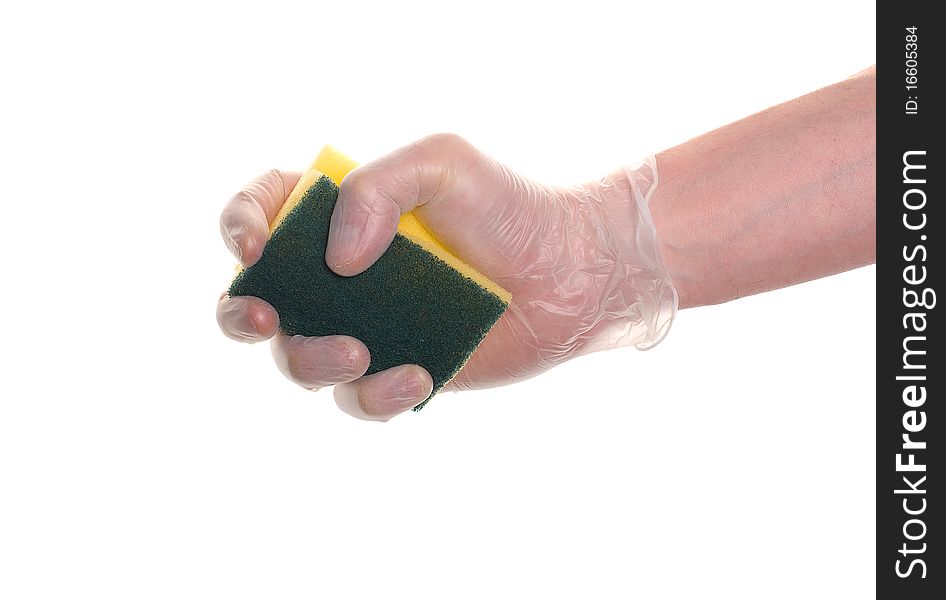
[581, 263]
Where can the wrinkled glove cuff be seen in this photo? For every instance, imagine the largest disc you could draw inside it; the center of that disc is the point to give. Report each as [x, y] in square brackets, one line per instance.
[658, 296]
[639, 304]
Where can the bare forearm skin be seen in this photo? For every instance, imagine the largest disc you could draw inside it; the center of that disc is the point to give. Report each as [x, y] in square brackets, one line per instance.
[784, 196]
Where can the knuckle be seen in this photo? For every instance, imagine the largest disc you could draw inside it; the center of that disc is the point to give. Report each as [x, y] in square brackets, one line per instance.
[291, 360]
[277, 182]
[268, 185]
[244, 196]
[358, 357]
[359, 186]
[295, 366]
[451, 145]
[355, 180]
[321, 361]
[354, 402]
[451, 148]
[365, 193]
[229, 217]
[368, 404]
[448, 140]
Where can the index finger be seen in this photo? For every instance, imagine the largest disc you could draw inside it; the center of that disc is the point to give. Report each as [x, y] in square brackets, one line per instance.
[244, 222]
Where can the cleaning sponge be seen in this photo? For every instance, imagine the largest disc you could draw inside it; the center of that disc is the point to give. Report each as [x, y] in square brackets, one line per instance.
[418, 304]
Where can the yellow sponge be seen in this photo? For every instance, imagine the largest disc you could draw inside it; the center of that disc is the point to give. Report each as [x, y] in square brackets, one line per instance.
[335, 165]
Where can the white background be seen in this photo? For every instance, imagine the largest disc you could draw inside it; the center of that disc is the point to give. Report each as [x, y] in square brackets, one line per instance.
[143, 455]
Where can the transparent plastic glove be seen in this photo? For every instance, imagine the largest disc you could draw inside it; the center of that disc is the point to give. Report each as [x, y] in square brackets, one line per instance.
[582, 265]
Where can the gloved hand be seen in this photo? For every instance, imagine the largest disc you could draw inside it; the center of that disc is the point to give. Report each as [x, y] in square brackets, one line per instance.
[582, 265]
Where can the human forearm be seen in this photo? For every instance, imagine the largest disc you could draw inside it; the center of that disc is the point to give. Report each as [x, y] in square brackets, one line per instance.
[781, 197]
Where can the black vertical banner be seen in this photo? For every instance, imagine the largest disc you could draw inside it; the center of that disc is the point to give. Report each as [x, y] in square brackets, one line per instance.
[911, 376]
